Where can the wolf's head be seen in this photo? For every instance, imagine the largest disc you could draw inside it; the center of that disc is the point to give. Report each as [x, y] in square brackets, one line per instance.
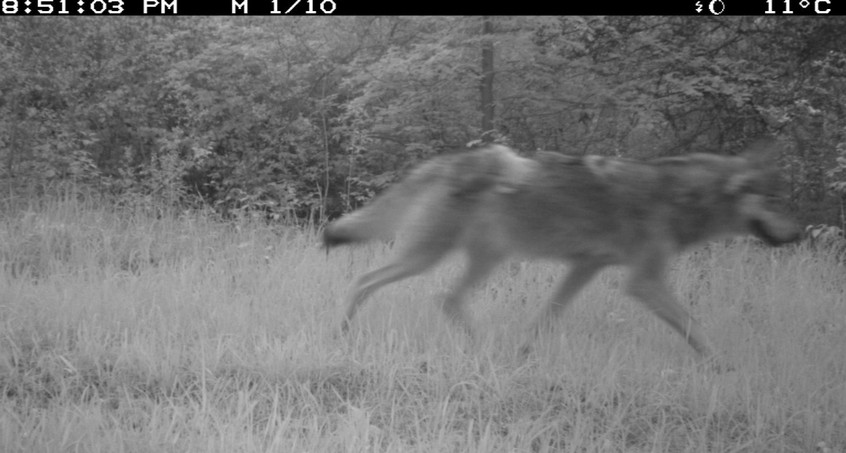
[751, 188]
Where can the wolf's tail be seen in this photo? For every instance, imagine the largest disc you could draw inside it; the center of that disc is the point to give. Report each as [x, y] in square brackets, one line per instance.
[452, 181]
[383, 216]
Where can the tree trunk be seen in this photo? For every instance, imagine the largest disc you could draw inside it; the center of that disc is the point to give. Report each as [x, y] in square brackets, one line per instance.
[487, 77]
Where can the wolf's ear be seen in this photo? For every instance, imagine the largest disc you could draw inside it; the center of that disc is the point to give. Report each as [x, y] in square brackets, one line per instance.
[743, 182]
[760, 169]
[763, 152]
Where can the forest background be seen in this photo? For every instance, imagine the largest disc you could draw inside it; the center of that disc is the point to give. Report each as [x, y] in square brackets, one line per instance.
[162, 181]
[300, 119]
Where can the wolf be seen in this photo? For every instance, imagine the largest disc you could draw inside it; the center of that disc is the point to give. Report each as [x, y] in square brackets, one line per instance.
[589, 211]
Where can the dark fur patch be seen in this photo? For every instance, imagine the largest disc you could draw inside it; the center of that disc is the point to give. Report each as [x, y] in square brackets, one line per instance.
[759, 229]
[333, 238]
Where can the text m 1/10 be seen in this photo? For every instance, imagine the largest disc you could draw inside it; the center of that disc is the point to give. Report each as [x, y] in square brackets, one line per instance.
[325, 6]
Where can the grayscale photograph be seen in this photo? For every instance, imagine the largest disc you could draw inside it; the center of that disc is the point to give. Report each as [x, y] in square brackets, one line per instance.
[313, 233]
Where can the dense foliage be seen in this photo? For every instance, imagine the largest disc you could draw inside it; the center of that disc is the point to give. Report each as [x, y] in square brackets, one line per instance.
[303, 118]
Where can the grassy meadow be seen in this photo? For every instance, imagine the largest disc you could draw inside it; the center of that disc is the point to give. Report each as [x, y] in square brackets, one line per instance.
[128, 331]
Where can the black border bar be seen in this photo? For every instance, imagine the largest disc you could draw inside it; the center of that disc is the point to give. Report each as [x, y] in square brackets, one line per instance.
[771, 8]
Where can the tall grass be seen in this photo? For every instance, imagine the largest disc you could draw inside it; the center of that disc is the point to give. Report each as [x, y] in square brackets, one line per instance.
[129, 330]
